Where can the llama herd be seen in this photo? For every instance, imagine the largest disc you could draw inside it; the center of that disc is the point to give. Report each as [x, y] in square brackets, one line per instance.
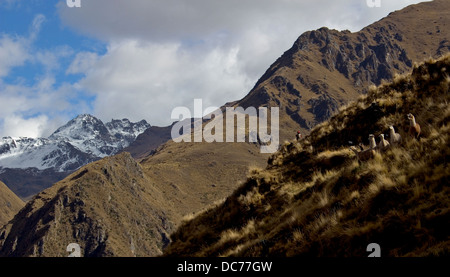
[394, 139]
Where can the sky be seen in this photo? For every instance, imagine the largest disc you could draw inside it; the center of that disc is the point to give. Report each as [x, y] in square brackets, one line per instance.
[139, 59]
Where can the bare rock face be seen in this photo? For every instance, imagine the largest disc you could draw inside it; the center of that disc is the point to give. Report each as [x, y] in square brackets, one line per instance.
[323, 107]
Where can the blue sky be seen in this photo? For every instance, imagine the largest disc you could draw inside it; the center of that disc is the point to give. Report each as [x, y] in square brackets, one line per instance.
[139, 59]
[36, 49]
[52, 36]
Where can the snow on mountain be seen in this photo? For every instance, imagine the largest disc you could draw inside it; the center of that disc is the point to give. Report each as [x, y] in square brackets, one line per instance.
[12, 150]
[91, 135]
[124, 129]
[41, 153]
[82, 140]
[83, 127]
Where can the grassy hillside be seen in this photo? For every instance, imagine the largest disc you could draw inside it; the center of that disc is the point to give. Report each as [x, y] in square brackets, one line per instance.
[192, 176]
[118, 207]
[109, 207]
[316, 199]
[10, 204]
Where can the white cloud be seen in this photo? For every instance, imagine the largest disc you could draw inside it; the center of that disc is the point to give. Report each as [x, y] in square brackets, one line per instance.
[36, 26]
[26, 100]
[144, 80]
[180, 19]
[162, 54]
[50, 58]
[16, 51]
[21, 127]
[13, 53]
[83, 62]
[43, 103]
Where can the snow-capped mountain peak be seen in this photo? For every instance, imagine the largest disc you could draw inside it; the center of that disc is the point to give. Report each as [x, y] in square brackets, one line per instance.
[82, 127]
[123, 128]
[80, 141]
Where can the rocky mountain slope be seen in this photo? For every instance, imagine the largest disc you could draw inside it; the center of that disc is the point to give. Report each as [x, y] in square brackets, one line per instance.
[109, 207]
[84, 139]
[326, 68]
[316, 198]
[10, 204]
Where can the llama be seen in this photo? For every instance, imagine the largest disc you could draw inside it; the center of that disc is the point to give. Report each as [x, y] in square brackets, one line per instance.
[414, 127]
[372, 142]
[394, 138]
[364, 155]
[384, 144]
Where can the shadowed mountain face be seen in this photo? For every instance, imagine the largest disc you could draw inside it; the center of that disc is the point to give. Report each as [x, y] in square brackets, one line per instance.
[326, 69]
[10, 204]
[149, 141]
[120, 207]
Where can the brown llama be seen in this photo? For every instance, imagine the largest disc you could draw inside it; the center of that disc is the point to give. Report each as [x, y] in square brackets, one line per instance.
[414, 127]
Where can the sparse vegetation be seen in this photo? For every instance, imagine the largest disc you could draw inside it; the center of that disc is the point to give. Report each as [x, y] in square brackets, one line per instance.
[10, 204]
[108, 207]
[323, 202]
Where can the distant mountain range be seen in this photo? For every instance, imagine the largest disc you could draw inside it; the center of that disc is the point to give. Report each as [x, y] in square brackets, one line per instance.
[82, 140]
